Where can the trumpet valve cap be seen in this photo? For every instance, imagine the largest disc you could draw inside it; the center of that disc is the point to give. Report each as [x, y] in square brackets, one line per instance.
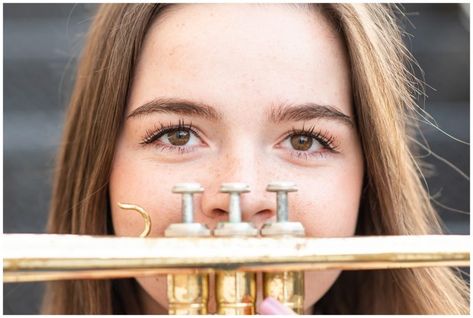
[188, 187]
[281, 186]
[234, 187]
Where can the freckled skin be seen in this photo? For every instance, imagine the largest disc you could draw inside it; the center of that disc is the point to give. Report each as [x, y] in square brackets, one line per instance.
[242, 60]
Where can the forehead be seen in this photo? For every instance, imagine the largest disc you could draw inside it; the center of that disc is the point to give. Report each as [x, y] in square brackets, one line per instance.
[243, 53]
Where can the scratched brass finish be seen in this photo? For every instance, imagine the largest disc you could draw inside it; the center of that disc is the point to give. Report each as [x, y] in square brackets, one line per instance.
[286, 287]
[43, 257]
[236, 293]
[235, 290]
[188, 294]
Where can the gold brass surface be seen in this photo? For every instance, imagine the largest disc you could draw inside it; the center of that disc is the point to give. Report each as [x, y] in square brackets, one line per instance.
[36, 257]
[188, 294]
[236, 293]
[287, 288]
[235, 290]
[142, 212]
[188, 260]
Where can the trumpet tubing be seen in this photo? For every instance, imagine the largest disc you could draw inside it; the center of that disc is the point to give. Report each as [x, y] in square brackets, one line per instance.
[42, 257]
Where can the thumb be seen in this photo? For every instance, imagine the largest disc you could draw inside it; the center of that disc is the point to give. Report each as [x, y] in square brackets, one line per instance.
[271, 306]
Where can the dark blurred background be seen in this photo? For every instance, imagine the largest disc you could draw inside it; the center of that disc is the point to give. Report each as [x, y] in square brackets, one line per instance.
[43, 41]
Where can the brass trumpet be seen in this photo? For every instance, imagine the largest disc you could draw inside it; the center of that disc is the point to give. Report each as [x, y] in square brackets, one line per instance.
[234, 253]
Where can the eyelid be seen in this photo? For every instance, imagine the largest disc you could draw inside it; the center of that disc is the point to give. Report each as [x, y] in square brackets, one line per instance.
[323, 137]
[154, 134]
[326, 139]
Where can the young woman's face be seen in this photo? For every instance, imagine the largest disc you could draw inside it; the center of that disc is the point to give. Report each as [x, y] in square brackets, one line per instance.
[240, 93]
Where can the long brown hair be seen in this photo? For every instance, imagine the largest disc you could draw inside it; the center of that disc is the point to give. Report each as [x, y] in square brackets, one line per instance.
[394, 201]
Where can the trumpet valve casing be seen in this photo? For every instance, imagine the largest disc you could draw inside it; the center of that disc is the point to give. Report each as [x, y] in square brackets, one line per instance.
[187, 230]
[283, 229]
[287, 286]
[188, 294]
[235, 290]
[236, 293]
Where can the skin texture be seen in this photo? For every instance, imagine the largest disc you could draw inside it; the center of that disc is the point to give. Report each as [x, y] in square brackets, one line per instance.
[242, 60]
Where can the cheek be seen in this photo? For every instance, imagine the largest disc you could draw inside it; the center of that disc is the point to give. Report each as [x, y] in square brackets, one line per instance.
[328, 205]
[156, 287]
[135, 181]
[317, 284]
[139, 184]
[327, 209]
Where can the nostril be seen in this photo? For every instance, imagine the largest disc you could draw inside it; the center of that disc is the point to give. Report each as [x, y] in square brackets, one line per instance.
[216, 215]
[262, 217]
[219, 213]
[213, 217]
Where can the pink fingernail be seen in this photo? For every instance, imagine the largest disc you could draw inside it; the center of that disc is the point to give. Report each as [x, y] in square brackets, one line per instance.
[271, 306]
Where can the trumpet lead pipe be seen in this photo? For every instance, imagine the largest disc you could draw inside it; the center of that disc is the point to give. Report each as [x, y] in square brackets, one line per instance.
[53, 255]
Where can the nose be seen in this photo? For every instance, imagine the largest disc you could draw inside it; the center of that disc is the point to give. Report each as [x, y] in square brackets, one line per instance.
[257, 206]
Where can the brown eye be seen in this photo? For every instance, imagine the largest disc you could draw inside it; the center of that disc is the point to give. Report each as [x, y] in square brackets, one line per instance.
[301, 142]
[178, 137]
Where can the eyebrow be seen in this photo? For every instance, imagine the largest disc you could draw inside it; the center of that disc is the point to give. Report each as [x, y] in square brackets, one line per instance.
[308, 111]
[278, 114]
[176, 106]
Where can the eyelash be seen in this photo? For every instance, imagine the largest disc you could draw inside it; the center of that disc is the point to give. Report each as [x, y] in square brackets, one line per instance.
[154, 134]
[324, 138]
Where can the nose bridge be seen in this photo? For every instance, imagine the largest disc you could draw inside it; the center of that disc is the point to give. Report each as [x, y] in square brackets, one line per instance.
[244, 163]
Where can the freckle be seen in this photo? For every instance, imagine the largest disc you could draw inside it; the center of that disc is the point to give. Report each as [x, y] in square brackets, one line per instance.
[173, 50]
